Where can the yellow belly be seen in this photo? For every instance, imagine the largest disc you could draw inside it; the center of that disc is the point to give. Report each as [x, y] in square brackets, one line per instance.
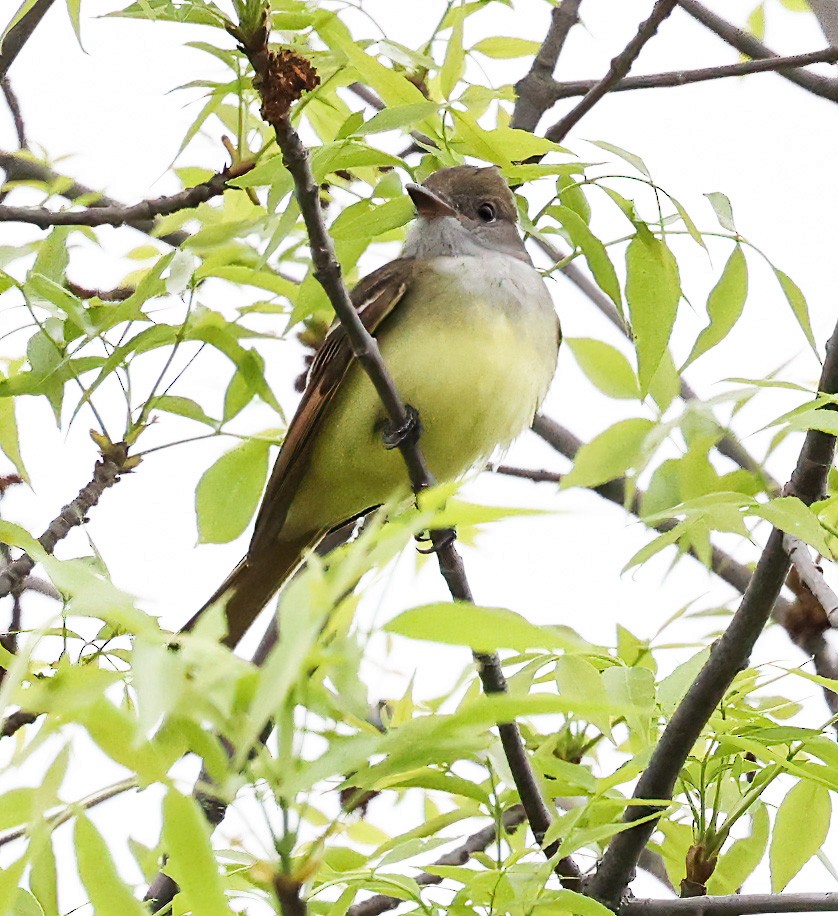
[475, 366]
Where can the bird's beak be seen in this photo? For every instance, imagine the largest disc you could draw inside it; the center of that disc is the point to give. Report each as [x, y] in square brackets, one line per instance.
[429, 204]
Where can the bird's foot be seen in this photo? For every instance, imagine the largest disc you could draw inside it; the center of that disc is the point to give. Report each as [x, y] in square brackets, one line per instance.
[441, 539]
[411, 429]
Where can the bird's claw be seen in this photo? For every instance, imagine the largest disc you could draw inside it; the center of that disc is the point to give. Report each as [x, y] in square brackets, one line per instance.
[394, 436]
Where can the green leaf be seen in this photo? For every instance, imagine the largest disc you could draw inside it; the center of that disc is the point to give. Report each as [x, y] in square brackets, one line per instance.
[506, 48]
[724, 305]
[484, 629]
[9, 441]
[573, 904]
[394, 88]
[578, 679]
[572, 195]
[797, 301]
[594, 251]
[800, 829]
[183, 407]
[605, 366]
[625, 155]
[398, 117]
[229, 490]
[43, 878]
[789, 514]
[610, 454]
[108, 893]
[74, 9]
[191, 860]
[723, 210]
[738, 863]
[634, 689]
[653, 289]
[502, 145]
[454, 64]
[367, 220]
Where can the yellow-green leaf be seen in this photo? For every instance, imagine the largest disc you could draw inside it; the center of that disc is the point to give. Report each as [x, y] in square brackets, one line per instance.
[724, 304]
[229, 491]
[653, 289]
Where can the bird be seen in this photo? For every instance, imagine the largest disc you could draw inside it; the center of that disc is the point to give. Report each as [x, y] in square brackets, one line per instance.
[469, 333]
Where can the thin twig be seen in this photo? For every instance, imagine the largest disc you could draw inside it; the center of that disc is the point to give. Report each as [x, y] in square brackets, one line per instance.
[728, 656]
[137, 213]
[620, 66]
[14, 722]
[734, 905]
[105, 474]
[117, 294]
[21, 32]
[327, 270]
[477, 842]
[68, 812]
[526, 474]
[14, 110]
[745, 43]
[533, 90]
[669, 79]
[811, 576]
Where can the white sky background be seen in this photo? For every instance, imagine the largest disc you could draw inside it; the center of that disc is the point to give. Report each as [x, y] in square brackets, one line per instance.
[766, 143]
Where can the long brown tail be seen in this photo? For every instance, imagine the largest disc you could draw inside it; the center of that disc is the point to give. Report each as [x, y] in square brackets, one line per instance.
[250, 585]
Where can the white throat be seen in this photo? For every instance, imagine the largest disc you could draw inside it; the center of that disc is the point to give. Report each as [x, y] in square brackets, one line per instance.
[443, 236]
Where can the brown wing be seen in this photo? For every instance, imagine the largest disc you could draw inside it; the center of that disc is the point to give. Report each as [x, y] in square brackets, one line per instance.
[374, 298]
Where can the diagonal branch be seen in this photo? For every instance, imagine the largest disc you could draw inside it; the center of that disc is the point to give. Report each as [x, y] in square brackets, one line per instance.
[555, 91]
[620, 66]
[533, 90]
[811, 576]
[14, 109]
[280, 78]
[21, 32]
[729, 654]
[746, 44]
[143, 212]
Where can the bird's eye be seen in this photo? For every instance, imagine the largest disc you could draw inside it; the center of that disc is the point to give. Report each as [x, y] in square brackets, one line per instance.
[486, 212]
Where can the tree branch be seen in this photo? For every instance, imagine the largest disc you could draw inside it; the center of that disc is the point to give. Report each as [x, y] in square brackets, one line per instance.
[620, 66]
[477, 842]
[68, 812]
[280, 79]
[14, 110]
[14, 722]
[746, 44]
[20, 33]
[145, 211]
[728, 656]
[26, 168]
[734, 905]
[811, 576]
[533, 90]
[556, 91]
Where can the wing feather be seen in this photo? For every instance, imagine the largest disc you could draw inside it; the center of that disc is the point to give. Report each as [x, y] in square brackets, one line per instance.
[374, 298]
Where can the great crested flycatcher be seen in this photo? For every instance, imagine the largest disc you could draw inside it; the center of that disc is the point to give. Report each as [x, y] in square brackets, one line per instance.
[468, 331]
